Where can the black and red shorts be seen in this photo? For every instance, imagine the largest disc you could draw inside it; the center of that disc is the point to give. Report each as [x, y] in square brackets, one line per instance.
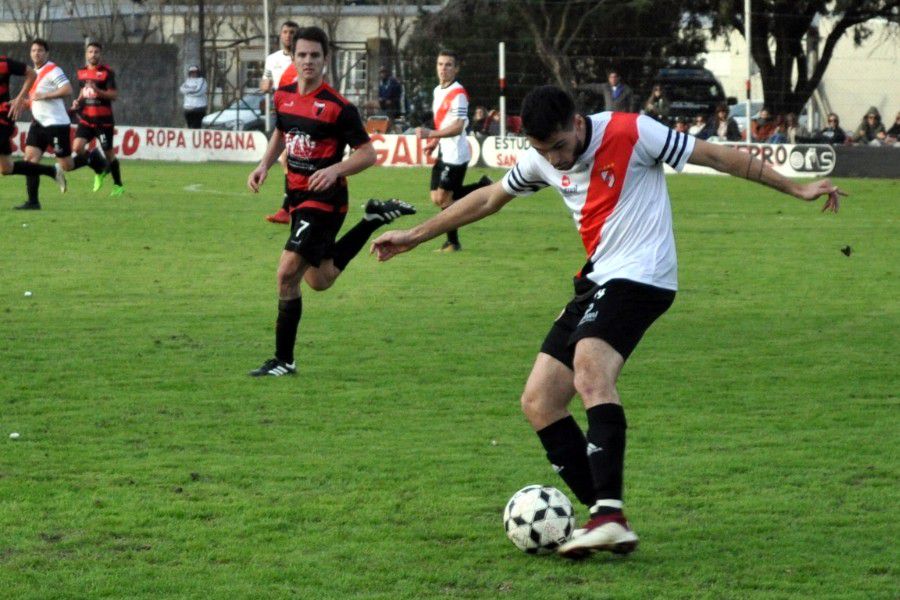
[315, 225]
[618, 312]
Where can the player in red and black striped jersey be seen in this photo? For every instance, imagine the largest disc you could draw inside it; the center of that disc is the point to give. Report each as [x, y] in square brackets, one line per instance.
[95, 119]
[315, 124]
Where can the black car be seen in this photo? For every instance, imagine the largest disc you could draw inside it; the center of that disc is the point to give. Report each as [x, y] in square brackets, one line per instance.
[691, 92]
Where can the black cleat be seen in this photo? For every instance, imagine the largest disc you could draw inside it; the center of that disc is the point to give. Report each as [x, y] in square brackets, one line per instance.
[28, 206]
[449, 246]
[387, 210]
[485, 181]
[274, 368]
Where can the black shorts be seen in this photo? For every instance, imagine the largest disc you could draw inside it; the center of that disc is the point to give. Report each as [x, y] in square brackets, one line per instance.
[56, 136]
[6, 134]
[103, 133]
[448, 177]
[313, 233]
[618, 312]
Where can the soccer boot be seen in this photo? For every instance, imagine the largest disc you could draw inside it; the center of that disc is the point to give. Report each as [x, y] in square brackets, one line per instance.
[485, 181]
[387, 210]
[274, 368]
[282, 216]
[28, 206]
[117, 191]
[449, 246]
[602, 532]
[60, 178]
[98, 181]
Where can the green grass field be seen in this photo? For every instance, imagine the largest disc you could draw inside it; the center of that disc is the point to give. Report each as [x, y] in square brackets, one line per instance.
[763, 431]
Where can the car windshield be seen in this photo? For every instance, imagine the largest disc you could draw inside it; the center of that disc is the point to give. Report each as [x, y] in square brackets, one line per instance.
[243, 104]
[740, 109]
[693, 91]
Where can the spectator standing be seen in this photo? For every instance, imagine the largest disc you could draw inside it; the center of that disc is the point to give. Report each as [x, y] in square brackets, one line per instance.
[390, 93]
[721, 127]
[194, 90]
[832, 133]
[657, 105]
[617, 96]
[763, 127]
[871, 131]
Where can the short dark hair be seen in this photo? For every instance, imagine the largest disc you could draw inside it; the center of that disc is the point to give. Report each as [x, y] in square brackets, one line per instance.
[96, 45]
[311, 34]
[546, 110]
[721, 106]
[290, 24]
[452, 54]
[40, 42]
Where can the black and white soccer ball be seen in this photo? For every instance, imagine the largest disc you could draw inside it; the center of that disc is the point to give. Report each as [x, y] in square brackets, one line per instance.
[538, 519]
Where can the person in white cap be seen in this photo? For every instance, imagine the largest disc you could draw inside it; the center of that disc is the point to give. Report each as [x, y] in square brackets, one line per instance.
[194, 91]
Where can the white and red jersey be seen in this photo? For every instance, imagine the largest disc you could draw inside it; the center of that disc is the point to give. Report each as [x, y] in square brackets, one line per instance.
[49, 112]
[617, 194]
[451, 103]
[276, 64]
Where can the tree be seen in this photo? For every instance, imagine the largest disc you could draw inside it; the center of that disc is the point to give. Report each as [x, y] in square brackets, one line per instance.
[778, 29]
[28, 17]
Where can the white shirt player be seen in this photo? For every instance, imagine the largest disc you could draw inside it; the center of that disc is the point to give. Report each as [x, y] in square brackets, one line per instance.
[451, 103]
[276, 63]
[49, 112]
[616, 192]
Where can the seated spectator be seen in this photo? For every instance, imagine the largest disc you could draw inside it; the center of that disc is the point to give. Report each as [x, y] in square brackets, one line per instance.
[657, 105]
[681, 125]
[779, 136]
[763, 127]
[480, 122]
[893, 134]
[698, 126]
[871, 131]
[721, 127]
[832, 133]
[795, 132]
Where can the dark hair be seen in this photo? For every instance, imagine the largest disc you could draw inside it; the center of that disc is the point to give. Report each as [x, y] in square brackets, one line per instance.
[40, 42]
[96, 45]
[546, 110]
[290, 24]
[721, 107]
[451, 54]
[311, 34]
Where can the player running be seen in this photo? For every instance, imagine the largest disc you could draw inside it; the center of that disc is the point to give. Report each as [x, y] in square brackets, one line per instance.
[49, 126]
[608, 167]
[451, 116]
[315, 124]
[95, 119]
[277, 64]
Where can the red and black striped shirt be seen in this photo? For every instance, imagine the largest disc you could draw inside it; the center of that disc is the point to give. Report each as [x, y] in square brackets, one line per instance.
[8, 67]
[94, 110]
[317, 128]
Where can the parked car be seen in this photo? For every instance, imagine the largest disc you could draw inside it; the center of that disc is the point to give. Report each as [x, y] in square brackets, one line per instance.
[739, 113]
[244, 114]
[691, 92]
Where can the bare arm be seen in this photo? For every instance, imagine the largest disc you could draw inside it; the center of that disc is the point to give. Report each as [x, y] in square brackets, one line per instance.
[265, 85]
[15, 107]
[741, 164]
[453, 129]
[474, 207]
[273, 149]
[361, 159]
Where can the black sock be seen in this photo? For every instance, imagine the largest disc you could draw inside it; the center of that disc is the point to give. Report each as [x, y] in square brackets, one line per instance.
[116, 173]
[468, 189]
[97, 161]
[353, 241]
[453, 234]
[289, 312]
[606, 449]
[23, 167]
[567, 451]
[32, 183]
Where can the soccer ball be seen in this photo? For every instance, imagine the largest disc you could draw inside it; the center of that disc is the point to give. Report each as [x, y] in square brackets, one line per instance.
[538, 519]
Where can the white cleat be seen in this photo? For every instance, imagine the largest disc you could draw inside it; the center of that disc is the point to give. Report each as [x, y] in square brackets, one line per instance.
[603, 532]
[60, 178]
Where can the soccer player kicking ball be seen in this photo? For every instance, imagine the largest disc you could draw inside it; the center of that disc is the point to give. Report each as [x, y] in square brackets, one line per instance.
[315, 124]
[608, 167]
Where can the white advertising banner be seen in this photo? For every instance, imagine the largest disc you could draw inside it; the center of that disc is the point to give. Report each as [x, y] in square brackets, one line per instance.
[791, 160]
[408, 151]
[164, 143]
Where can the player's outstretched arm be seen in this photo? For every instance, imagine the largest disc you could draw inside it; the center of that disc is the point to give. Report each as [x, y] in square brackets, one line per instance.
[477, 205]
[273, 149]
[740, 164]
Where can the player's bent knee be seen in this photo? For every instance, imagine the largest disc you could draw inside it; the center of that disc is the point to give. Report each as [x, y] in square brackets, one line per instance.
[595, 389]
